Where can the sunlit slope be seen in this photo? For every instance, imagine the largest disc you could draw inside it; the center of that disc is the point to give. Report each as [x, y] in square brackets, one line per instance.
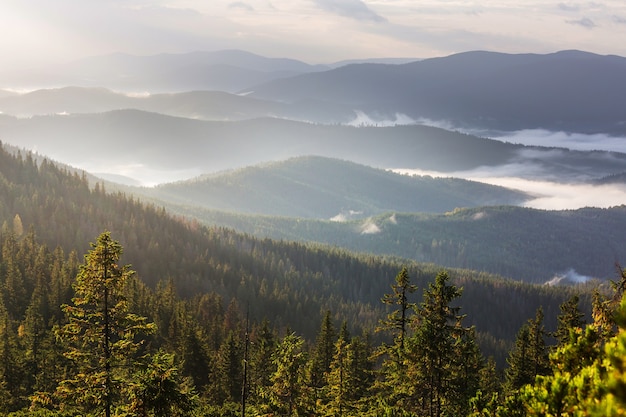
[327, 188]
[288, 283]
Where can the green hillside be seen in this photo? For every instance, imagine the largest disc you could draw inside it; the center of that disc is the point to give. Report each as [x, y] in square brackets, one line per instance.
[195, 283]
[324, 188]
[299, 280]
[520, 243]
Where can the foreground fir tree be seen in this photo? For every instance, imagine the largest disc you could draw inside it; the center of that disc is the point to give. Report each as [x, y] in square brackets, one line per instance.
[323, 352]
[289, 394]
[442, 358]
[389, 387]
[398, 320]
[103, 338]
[530, 355]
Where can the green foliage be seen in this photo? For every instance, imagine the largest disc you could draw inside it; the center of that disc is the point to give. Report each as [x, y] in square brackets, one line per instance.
[570, 319]
[397, 321]
[322, 188]
[158, 389]
[186, 271]
[323, 353]
[101, 334]
[436, 376]
[289, 395]
[530, 356]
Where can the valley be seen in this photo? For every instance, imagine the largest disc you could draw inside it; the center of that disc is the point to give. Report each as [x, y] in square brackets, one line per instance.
[265, 203]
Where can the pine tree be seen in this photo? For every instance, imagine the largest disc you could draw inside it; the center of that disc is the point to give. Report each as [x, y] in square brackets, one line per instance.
[323, 353]
[398, 320]
[229, 368]
[340, 378]
[101, 334]
[391, 386]
[571, 318]
[288, 393]
[158, 389]
[529, 356]
[10, 377]
[261, 366]
[432, 351]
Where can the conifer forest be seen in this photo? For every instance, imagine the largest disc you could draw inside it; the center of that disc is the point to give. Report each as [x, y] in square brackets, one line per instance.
[112, 307]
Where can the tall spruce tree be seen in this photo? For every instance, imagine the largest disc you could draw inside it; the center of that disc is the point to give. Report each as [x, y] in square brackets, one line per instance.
[529, 356]
[391, 386]
[289, 394]
[398, 320]
[433, 385]
[102, 336]
[323, 352]
[571, 318]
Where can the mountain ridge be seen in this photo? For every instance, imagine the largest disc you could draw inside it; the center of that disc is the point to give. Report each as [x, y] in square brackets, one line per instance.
[168, 143]
[326, 188]
[477, 89]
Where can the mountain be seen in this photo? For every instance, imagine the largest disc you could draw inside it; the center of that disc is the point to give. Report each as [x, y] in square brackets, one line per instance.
[521, 243]
[227, 70]
[568, 90]
[205, 105]
[130, 138]
[326, 188]
[288, 283]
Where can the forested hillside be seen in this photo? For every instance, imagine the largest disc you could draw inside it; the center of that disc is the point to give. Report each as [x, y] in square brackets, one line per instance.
[519, 243]
[326, 188]
[196, 285]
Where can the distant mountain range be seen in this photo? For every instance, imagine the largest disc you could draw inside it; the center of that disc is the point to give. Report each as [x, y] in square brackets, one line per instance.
[323, 188]
[570, 91]
[204, 105]
[227, 70]
[158, 142]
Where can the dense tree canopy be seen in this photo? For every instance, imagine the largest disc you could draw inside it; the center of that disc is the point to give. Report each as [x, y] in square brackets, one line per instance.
[80, 338]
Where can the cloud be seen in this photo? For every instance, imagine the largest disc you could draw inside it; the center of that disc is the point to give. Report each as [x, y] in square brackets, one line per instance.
[584, 22]
[548, 195]
[355, 9]
[619, 19]
[574, 141]
[568, 277]
[369, 228]
[362, 119]
[241, 5]
[569, 7]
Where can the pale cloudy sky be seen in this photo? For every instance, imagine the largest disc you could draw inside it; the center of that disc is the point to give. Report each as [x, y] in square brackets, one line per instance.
[315, 31]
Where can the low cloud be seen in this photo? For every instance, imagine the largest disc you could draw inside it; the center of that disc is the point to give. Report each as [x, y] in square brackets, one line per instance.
[140, 173]
[574, 141]
[619, 19]
[369, 228]
[568, 277]
[355, 9]
[584, 22]
[569, 7]
[362, 119]
[241, 6]
[546, 195]
[346, 215]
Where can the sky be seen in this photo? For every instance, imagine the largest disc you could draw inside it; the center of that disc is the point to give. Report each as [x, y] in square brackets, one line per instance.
[41, 32]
